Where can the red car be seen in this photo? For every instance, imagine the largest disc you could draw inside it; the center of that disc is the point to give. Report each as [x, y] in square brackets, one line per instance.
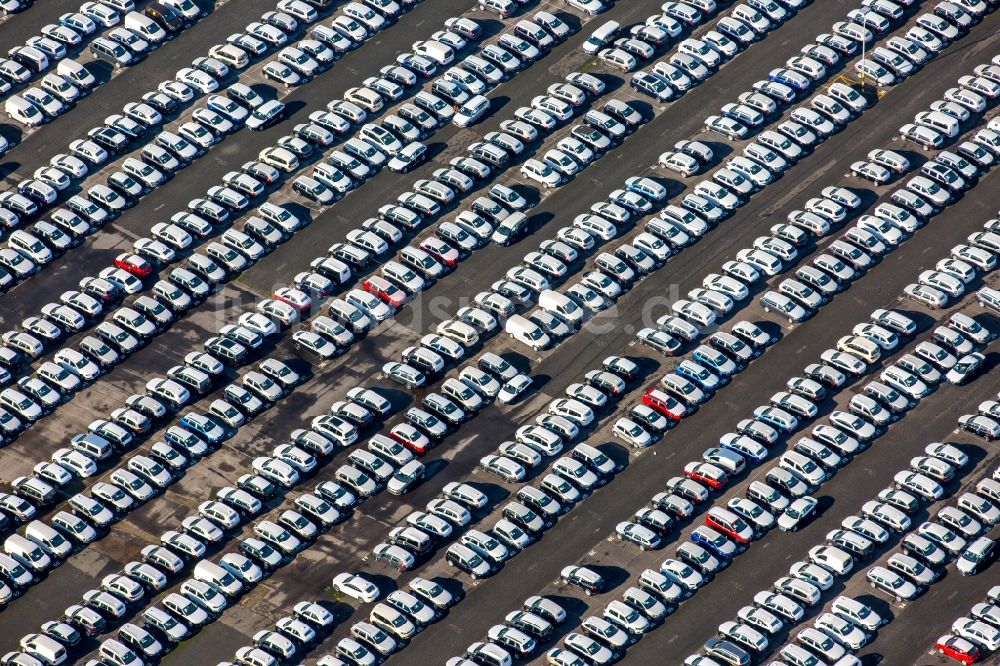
[134, 264]
[729, 524]
[411, 438]
[958, 648]
[664, 404]
[297, 298]
[707, 473]
[440, 250]
[386, 291]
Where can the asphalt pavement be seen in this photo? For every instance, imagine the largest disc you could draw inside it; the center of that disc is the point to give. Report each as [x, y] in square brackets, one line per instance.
[581, 535]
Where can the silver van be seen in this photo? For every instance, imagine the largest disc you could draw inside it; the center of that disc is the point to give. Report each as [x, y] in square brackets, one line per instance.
[989, 298]
[115, 652]
[93, 446]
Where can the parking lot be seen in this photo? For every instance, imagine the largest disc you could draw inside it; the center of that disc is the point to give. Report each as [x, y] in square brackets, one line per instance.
[748, 213]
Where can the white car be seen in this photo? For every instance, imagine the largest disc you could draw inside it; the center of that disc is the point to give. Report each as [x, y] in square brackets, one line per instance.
[542, 173]
[356, 587]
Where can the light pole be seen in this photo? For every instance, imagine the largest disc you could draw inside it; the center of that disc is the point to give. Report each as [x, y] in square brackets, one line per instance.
[864, 43]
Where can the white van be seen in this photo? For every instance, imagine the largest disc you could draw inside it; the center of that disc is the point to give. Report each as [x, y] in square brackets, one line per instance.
[28, 553]
[435, 50]
[601, 37]
[939, 121]
[50, 541]
[213, 574]
[23, 111]
[45, 648]
[37, 60]
[146, 27]
[561, 306]
[527, 332]
[832, 558]
[76, 73]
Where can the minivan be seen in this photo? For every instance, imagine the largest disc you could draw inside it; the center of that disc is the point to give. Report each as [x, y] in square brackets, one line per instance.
[280, 158]
[168, 17]
[939, 121]
[145, 27]
[76, 74]
[970, 328]
[527, 332]
[436, 51]
[93, 446]
[213, 574]
[27, 553]
[110, 52]
[601, 37]
[23, 111]
[562, 306]
[44, 647]
[510, 229]
[117, 653]
[48, 539]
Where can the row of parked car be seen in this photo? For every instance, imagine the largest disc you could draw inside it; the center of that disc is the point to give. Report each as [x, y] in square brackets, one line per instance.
[728, 530]
[170, 150]
[393, 622]
[904, 575]
[972, 638]
[169, 239]
[237, 251]
[883, 390]
[519, 635]
[238, 248]
[695, 59]
[770, 153]
[136, 34]
[808, 464]
[274, 542]
[498, 217]
[129, 32]
[942, 123]
[860, 246]
[166, 153]
[848, 621]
